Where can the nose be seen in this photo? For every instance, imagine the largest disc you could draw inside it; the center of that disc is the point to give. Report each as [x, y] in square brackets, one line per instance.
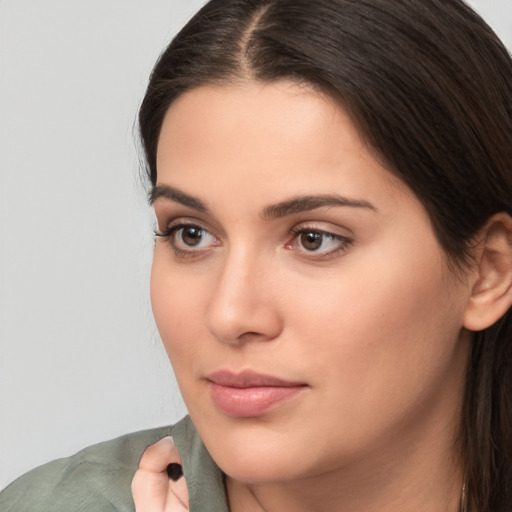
[244, 307]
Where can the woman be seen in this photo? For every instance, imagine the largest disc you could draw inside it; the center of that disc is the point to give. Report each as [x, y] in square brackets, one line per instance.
[332, 277]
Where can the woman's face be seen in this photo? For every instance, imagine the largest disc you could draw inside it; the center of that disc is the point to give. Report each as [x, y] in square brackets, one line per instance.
[305, 304]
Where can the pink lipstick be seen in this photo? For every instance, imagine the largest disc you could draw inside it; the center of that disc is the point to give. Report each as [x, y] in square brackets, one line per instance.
[249, 394]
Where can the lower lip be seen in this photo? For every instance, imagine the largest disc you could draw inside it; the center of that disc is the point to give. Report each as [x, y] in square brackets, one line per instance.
[251, 402]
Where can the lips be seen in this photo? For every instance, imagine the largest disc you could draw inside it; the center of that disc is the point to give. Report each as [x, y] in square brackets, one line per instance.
[250, 394]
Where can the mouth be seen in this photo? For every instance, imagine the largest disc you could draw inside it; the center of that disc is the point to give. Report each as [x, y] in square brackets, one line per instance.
[250, 394]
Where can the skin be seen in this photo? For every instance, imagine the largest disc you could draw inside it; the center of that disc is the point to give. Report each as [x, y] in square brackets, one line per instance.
[371, 322]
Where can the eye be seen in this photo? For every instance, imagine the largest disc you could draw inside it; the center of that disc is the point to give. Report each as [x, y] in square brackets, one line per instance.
[318, 243]
[187, 239]
[191, 236]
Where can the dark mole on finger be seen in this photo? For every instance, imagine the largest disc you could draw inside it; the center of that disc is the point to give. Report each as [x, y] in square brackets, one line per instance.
[174, 471]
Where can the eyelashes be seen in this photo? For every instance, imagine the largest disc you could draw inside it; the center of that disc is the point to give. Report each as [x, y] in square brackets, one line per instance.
[317, 242]
[189, 240]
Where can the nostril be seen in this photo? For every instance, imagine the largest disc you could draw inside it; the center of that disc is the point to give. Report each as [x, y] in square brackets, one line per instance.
[252, 336]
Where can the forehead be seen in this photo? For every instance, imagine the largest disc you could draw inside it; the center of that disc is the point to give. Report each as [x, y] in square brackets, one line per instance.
[265, 139]
[252, 110]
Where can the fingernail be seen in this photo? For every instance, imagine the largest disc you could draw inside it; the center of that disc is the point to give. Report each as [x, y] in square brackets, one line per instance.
[174, 471]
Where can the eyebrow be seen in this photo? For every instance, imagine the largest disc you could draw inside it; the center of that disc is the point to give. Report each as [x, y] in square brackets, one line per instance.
[307, 203]
[278, 210]
[173, 194]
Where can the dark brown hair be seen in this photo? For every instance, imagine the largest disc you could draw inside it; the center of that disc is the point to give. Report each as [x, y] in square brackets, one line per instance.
[429, 85]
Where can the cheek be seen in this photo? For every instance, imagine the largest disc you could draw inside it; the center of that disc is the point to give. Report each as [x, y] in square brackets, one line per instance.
[385, 322]
[176, 306]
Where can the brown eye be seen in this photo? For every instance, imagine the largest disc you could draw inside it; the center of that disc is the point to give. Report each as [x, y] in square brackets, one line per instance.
[189, 240]
[317, 243]
[312, 240]
[191, 236]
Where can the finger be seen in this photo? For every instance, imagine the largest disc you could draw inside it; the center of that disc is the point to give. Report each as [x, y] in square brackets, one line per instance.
[158, 456]
[174, 504]
[150, 491]
[180, 490]
[153, 490]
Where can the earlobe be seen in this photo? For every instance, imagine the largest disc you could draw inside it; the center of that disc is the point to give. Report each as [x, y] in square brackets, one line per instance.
[491, 294]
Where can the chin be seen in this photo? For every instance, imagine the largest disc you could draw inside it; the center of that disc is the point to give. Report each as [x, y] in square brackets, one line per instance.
[254, 452]
[261, 469]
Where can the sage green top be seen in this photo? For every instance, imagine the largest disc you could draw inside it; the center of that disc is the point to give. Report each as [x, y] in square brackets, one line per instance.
[98, 478]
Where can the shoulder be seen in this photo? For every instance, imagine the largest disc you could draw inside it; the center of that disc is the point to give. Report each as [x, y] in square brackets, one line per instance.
[97, 478]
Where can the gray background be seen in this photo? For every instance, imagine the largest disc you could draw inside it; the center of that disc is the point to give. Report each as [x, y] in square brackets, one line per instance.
[80, 358]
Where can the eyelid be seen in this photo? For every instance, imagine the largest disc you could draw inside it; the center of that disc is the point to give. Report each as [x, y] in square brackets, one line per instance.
[173, 228]
[323, 227]
[167, 215]
[182, 221]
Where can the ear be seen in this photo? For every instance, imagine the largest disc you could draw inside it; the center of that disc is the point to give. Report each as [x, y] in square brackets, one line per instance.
[491, 294]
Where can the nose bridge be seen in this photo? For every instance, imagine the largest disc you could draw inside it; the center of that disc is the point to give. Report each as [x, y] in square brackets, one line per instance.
[241, 306]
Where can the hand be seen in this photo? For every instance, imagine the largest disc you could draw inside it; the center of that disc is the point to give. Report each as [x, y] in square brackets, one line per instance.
[153, 488]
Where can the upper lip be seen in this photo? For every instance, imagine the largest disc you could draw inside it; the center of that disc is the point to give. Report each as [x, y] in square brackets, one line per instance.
[248, 379]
